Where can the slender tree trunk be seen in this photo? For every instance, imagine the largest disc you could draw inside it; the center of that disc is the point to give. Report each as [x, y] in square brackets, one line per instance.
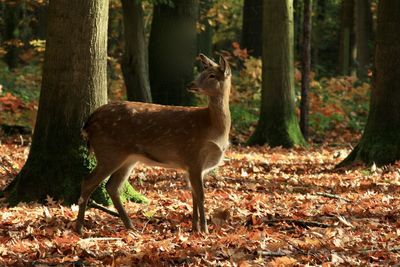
[363, 32]
[278, 124]
[298, 28]
[306, 64]
[172, 51]
[135, 61]
[347, 48]
[380, 142]
[115, 38]
[12, 15]
[41, 23]
[204, 37]
[252, 27]
[319, 9]
[74, 84]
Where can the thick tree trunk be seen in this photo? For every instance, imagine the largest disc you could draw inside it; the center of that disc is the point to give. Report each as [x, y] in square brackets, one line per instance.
[306, 65]
[363, 32]
[135, 60]
[278, 124]
[74, 84]
[172, 51]
[252, 27]
[347, 48]
[380, 142]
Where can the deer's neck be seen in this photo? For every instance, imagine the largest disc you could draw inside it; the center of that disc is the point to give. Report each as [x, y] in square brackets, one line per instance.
[220, 115]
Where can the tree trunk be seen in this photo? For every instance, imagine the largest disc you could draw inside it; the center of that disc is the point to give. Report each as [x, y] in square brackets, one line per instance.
[12, 16]
[204, 37]
[319, 10]
[172, 51]
[135, 61]
[298, 28]
[306, 64]
[74, 85]
[363, 32]
[278, 124]
[252, 27]
[347, 48]
[380, 142]
[41, 21]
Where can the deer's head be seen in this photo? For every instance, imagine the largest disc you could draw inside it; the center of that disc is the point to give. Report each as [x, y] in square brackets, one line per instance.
[214, 80]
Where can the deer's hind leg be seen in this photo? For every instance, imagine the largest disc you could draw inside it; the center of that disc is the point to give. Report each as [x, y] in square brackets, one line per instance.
[113, 188]
[105, 167]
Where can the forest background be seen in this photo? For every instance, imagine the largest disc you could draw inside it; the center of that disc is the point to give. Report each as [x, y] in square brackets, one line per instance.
[338, 99]
[284, 205]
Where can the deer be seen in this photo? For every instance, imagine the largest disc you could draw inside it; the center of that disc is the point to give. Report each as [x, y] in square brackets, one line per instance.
[192, 139]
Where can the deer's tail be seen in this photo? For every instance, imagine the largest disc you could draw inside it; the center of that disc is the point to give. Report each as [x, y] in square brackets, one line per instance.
[85, 135]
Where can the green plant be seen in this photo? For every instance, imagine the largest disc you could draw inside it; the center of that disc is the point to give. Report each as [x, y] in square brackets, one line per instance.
[244, 116]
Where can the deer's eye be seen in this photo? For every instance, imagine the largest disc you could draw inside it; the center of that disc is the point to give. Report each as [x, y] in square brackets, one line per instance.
[211, 76]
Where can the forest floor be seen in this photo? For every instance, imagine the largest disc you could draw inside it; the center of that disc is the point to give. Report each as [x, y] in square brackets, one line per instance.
[265, 207]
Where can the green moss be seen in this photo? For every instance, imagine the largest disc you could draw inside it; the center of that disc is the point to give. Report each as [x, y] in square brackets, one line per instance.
[128, 193]
[285, 133]
[380, 148]
[294, 133]
[242, 117]
[59, 176]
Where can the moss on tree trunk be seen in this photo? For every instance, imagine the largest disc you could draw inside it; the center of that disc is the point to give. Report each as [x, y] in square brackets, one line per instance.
[278, 124]
[380, 142]
[59, 176]
[74, 84]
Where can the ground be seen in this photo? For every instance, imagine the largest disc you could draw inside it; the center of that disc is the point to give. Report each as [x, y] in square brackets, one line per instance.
[265, 206]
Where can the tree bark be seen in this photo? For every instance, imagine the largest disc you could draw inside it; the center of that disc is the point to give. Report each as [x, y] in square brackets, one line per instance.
[135, 60]
[347, 48]
[278, 124]
[380, 142]
[73, 85]
[363, 32]
[12, 15]
[298, 28]
[172, 51]
[204, 37]
[306, 65]
[319, 10]
[252, 27]
[39, 27]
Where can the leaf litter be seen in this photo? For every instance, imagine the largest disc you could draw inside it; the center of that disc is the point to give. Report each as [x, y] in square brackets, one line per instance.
[265, 207]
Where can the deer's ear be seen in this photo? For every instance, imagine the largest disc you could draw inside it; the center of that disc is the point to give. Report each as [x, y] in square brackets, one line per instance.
[224, 65]
[207, 62]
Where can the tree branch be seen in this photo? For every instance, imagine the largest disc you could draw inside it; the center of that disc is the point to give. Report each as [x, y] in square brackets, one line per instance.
[301, 223]
[332, 196]
[95, 205]
[271, 253]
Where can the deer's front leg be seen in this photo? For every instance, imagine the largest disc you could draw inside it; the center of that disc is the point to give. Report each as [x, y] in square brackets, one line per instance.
[195, 217]
[196, 180]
